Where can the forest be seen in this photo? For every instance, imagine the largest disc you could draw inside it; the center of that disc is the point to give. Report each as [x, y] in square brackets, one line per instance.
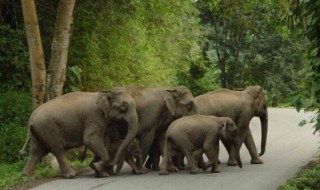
[202, 44]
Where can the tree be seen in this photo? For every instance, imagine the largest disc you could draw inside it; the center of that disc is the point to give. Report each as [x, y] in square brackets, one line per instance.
[37, 63]
[304, 17]
[56, 73]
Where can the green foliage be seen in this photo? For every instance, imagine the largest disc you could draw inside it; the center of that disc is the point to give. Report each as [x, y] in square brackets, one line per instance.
[305, 20]
[14, 64]
[308, 179]
[10, 174]
[15, 110]
[248, 44]
[117, 43]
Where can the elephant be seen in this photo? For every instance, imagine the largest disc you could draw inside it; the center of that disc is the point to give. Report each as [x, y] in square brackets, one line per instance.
[193, 135]
[132, 152]
[75, 119]
[156, 109]
[241, 106]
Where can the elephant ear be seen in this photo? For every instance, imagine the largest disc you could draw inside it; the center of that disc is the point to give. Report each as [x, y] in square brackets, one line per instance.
[254, 91]
[171, 100]
[104, 101]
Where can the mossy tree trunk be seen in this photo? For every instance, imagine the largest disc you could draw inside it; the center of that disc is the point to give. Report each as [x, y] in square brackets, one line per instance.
[56, 73]
[37, 63]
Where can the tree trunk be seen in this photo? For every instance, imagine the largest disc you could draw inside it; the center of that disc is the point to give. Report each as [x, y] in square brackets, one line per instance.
[37, 63]
[56, 73]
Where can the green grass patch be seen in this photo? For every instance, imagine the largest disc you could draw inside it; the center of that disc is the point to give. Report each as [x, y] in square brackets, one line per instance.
[10, 174]
[307, 179]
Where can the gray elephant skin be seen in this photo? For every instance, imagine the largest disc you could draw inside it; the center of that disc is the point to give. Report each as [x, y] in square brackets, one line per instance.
[132, 152]
[241, 107]
[156, 109]
[75, 119]
[193, 135]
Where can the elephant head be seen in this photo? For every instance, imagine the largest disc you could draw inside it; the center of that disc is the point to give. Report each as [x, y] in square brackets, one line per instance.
[179, 101]
[229, 132]
[259, 105]
[119, 105]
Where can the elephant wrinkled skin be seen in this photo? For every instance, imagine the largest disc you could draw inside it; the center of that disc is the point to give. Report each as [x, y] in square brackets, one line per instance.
[193, 135]
[76, 119]
[156, 109]
[241, 106]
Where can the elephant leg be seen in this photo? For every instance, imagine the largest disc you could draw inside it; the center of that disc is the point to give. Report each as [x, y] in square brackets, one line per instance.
[146, 144]
[153, 158]
[119, 166]
[96, 144]
[186, 148]
[178, 161]
[197, 155]
[211, 149]
[164, 163]
[160, 142]
[36, 153]
[133, 165]
[66, 170]
[55, 142]
[232, 154]
[249, 142]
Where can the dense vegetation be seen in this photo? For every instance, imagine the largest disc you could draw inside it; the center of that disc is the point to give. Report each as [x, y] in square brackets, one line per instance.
[204, 45]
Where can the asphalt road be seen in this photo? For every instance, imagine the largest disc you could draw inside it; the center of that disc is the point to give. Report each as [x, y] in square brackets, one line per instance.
[288, 148]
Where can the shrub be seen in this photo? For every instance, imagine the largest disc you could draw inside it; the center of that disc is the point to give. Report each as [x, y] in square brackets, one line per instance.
[15, 109]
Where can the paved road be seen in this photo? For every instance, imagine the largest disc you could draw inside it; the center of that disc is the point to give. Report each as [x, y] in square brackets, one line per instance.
[289, 147]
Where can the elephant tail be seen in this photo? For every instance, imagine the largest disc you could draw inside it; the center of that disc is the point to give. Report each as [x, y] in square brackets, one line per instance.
[84, 154]
[23, 149]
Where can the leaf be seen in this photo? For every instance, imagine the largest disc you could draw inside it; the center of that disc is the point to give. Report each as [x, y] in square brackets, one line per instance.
[302, 123]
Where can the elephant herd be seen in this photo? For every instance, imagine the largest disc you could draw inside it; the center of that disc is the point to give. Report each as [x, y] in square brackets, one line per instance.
[135, 123]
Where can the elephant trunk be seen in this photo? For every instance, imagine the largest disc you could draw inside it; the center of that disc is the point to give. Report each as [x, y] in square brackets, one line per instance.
[264, 132]
[237, 150]
[132, 120]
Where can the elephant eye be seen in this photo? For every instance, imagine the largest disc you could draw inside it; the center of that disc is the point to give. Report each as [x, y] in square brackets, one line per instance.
[124, 107]
[189, 106]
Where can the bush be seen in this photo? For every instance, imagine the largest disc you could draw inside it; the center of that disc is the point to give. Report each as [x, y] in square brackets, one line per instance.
[15, 110]
[308, 179]
[14, 63]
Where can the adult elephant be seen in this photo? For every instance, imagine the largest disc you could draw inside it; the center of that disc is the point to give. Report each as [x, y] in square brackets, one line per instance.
[241, 106]
[75, 119]
[156, 109]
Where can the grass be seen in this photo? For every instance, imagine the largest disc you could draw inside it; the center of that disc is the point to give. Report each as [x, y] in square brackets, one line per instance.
[307, 179]
[11, 178]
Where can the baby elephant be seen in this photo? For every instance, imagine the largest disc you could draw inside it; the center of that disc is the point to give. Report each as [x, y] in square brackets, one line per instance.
[133, 152]
[193, 135]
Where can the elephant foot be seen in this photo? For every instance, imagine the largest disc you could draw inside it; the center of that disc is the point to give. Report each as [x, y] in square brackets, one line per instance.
[215, 171]
[194, 170]
[232, 163]
[99, 170]
[163, 172]
[143, 171]
[101, 174]
[173, 169]
[256, 161]
[69, 174]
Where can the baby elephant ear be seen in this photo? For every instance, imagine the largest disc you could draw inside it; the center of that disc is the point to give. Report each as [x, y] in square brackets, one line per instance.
[170, 100]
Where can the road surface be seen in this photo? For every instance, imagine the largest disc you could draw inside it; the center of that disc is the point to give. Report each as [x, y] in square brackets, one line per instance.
[288, 148]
